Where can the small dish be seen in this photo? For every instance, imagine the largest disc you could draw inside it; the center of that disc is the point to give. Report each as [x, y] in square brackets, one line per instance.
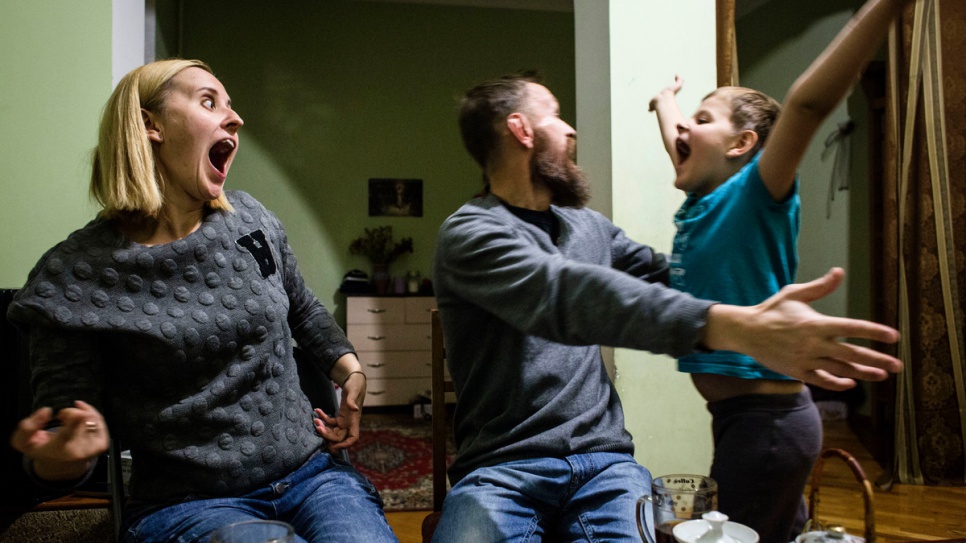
[714, 527]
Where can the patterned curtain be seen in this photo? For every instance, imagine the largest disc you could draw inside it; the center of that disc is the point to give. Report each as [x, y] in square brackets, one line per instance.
[924, 231]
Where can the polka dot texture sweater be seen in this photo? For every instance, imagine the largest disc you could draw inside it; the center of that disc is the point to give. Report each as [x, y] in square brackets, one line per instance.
[186, 348]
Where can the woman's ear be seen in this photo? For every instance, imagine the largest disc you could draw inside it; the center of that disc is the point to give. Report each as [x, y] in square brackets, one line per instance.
[151, 126]
[519, 126]
[745, 141]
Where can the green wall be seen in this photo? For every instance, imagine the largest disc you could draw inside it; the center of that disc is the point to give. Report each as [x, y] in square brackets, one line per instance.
[55, 75]
[334, 93]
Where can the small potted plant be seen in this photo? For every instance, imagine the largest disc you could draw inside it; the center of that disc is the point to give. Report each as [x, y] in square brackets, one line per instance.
[378, 246]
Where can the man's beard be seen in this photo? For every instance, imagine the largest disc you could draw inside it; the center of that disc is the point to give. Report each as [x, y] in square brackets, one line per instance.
[560, 174]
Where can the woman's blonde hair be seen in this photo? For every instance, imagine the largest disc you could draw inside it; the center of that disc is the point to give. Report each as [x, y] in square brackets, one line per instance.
[124, 175]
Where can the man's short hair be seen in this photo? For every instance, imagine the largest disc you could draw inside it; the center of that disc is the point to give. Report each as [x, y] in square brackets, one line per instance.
[487, 104]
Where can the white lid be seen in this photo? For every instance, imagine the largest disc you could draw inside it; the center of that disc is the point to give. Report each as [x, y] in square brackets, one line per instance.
[714, 527]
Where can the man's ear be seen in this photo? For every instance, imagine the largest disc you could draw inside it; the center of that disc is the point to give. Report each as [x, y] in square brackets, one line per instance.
[519, 126]
[745, 141]
[151, 126]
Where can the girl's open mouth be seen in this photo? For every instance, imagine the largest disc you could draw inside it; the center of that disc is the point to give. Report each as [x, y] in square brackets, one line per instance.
[684, 151]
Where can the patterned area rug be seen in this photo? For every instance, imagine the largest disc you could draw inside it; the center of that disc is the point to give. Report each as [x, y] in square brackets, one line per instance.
[395, 451]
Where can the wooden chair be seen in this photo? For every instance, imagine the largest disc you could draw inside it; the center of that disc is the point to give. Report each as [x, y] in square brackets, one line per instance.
[441, 385]
[116, 480]
[867, 493]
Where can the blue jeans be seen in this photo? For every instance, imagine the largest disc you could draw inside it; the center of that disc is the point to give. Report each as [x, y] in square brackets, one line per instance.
[324, 500]
[584, 497]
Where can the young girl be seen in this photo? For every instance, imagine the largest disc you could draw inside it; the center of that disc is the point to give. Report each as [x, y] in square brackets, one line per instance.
[736, 158]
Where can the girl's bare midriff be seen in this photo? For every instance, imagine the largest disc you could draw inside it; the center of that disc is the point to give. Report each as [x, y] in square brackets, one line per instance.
[721, 387]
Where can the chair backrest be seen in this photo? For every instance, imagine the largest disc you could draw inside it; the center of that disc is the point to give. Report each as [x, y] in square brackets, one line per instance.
[116, 479]
[441, 385]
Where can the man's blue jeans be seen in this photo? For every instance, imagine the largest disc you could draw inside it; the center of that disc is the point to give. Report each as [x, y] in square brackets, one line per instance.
[324, 500]
[584, 497]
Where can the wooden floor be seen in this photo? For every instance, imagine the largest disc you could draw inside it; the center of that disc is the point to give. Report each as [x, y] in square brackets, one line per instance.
[903, 513]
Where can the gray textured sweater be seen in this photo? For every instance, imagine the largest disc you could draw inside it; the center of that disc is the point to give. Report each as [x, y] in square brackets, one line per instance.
[524, 319]
[186, 348]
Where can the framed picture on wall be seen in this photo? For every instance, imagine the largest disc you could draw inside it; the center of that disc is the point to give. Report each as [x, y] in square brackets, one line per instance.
[395, 197]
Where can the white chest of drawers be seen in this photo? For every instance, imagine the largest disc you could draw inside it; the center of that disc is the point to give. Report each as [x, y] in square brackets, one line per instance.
[392, 337]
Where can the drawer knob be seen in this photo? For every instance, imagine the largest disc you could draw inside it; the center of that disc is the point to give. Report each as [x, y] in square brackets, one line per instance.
[376, 338]
[376, 310]
[376, 365]
[375, 392]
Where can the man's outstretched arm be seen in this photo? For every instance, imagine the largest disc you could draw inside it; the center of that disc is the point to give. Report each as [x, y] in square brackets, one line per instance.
[785, 334]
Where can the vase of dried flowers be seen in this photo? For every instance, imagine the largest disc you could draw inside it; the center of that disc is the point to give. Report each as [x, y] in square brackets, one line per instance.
[377, 244]
[380, 277]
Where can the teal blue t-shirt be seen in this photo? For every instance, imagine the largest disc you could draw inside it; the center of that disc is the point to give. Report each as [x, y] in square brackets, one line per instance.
[737, 246]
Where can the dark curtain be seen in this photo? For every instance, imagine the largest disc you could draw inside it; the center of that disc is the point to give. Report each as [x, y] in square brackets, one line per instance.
[924, 238]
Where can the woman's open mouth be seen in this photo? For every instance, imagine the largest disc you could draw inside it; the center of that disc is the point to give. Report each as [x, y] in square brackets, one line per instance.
[220, 152]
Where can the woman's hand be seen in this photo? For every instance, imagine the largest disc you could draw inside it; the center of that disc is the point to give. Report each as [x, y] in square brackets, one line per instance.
[68, 451]
[342, 431]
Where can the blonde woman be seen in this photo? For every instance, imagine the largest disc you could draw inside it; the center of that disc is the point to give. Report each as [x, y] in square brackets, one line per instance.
[169, 321]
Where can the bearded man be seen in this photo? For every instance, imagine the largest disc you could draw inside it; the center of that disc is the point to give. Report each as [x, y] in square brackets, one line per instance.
[529, 284]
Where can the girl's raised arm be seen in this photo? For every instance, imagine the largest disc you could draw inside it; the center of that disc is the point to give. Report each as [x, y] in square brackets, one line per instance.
[818, 91]
[669, 115]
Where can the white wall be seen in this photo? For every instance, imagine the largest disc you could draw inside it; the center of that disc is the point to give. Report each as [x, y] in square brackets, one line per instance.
[128, 42]
[647, 43]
